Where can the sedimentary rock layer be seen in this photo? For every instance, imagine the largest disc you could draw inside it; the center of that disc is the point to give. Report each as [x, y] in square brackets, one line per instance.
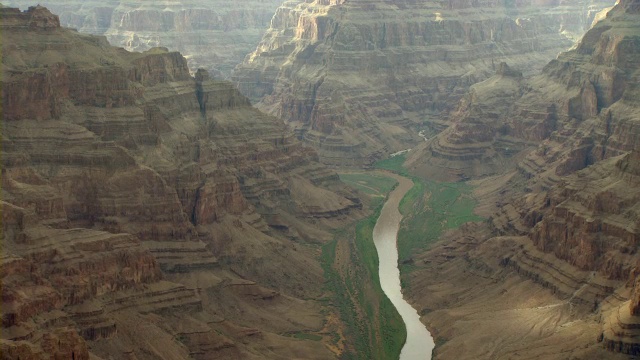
[214, 35]
[358, 79]
[137, 199]
[582, 106]
[562, 207]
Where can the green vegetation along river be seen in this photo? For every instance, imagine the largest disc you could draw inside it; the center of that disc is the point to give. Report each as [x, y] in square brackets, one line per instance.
[419, 342]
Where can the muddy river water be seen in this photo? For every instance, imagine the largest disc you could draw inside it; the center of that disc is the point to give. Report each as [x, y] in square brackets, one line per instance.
[419, 342]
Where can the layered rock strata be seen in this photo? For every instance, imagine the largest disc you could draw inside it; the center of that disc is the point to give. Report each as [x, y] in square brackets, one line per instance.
[558, 270]
[214, 35]
[490, 308]
[359, 79]
[477, 142]
[140, 200]
[582, 106]
[562, 209]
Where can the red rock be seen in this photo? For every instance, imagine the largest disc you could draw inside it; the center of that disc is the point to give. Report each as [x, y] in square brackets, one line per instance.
[120, 169]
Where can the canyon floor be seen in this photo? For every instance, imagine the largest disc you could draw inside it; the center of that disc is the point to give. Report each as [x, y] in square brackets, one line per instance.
[480, 303]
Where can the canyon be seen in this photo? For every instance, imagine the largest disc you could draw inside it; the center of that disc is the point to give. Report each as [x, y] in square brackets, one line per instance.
[147, 213]
[358, 80]
[213, 35]
[554, 159]
[143, 195]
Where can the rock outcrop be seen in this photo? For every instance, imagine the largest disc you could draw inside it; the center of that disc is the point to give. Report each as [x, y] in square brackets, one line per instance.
[138, 199]
[582, 106]
[477, 142]
[359, 79]
[562, 207]
[214, 35]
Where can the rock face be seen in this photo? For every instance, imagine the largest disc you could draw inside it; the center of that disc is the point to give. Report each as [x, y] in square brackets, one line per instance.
[478, 142]
[138, 199]
[358, 79]
[582, 102]
[593, 220]
[214, 35]
[563, 149]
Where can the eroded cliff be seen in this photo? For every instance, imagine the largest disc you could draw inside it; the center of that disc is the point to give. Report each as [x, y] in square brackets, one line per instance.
[561, 149]
[148, 213]
[360, 79]
[582, 105]
[214, 35]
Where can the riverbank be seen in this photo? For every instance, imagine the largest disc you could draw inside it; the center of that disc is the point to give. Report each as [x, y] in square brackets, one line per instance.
[419, 344]
[476, 307]
[429, 209]
[350, 264]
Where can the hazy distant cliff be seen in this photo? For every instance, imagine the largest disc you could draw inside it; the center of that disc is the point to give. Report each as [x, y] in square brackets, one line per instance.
[358, 79]
[215, 35]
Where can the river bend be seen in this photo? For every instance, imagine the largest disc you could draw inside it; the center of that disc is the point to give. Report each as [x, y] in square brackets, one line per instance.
[419, 342]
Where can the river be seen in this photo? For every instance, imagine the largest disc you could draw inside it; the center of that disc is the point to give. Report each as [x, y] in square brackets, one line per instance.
[419, 342]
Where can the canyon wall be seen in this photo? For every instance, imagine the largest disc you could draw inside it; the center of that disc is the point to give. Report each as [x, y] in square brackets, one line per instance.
[214, 35]
[555, 158]
[581, 105]
[147, 213]
[360, 79]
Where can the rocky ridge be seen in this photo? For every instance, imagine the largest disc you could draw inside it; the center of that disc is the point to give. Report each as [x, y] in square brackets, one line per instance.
[139, 199]
[214, 35]
[478, 142]
[562, 206]
[583, 88]
[359, 79]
